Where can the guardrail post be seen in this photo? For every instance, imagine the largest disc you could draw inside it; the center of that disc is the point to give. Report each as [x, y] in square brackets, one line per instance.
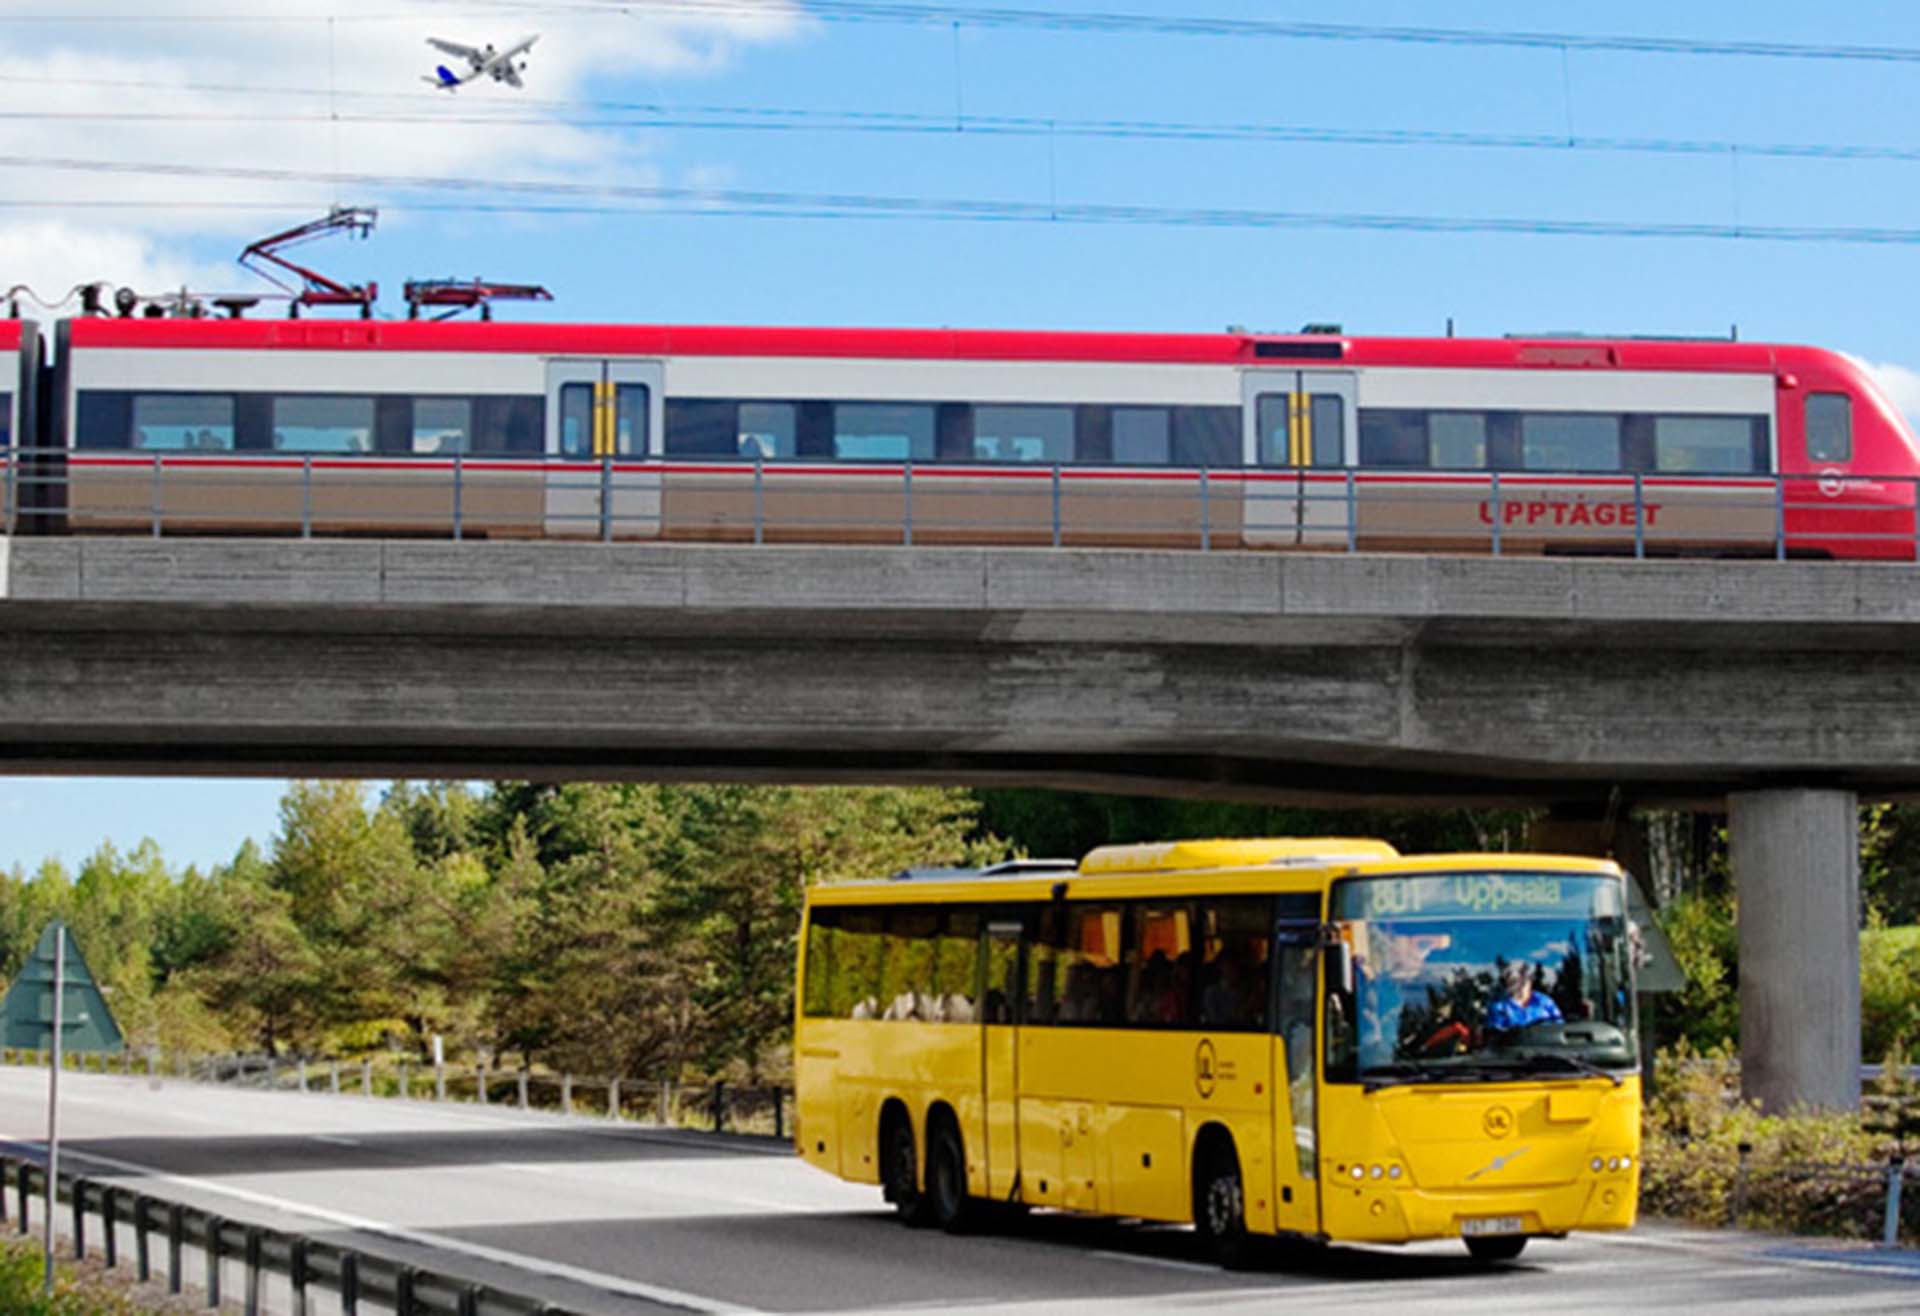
[366, 1077]
[1206, 512]
[719, 1107]
[666, 1101]
[1896, 1171]
[349, 1284]
[297, 1275]
[303, 1075]
[403, 1283]
[459, 494]
[566, 1094]
[613, 1099]
[1779, 518]
[606, 498]
[906, 525]
[253, 1272]
[523, 1089]
[480, 1083]
[1639, 515]
[1740, 1185]
[406, 1082]
[142, 1252]
[1494, 514]
[78, 1200]
[1056, 505]
[26, 1196]
[779, 1112]
[439, 1082]
[470, 1300]
[306, 496]
[333, 1077]
[760, 498]
[176, 1239]
[109, 1225]
[215, 1254]
[157, 505]
[1353, 513]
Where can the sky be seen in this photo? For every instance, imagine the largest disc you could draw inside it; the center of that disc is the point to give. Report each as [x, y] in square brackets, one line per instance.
[146, 144]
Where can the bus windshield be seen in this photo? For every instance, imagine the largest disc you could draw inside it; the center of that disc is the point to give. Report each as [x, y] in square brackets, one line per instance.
[1479, 977]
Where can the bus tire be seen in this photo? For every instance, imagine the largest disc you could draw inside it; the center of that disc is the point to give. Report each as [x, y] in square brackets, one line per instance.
[900, 1178]
[1501, 1247]
[1220, 1207]
[948, 1205]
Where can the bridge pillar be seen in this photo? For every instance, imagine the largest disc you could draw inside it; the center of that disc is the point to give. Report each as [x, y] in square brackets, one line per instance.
[1796, 869]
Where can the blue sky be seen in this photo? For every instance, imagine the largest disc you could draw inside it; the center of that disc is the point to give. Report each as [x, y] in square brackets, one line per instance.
[646, 265]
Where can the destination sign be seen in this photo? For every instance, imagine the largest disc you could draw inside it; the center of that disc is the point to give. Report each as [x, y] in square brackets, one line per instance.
[1478, 894]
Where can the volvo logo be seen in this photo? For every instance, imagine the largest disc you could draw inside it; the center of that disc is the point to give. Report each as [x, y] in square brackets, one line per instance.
[1498, 1122]
[1498, 1163]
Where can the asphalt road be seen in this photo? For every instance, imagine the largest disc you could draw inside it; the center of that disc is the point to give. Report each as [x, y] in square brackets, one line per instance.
[617, 1219]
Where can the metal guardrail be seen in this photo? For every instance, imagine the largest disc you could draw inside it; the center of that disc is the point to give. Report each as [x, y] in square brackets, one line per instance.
[715, 1107]
[1851, 1187]
[1627, 514]
[309, 1265]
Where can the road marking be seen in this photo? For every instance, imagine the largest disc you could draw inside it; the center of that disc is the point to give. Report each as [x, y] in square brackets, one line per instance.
[1756, 1261]
[334, 1139]
[421, 1238]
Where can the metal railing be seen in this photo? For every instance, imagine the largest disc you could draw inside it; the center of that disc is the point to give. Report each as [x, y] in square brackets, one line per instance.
[1627, 514]
[719, 1107]
[1848, 1195]
[309, 1265]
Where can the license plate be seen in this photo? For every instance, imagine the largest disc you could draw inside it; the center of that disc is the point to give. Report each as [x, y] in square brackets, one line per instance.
[1483, 1225]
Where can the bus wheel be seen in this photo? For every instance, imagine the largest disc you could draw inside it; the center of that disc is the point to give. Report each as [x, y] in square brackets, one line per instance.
[1501, 1247]
[1220, 1208]
[947, 1200]
[902, 1181]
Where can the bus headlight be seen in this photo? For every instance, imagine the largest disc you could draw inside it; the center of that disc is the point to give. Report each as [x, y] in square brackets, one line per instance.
[1359, 1172]
[1378, 1172]
[1596, 1165]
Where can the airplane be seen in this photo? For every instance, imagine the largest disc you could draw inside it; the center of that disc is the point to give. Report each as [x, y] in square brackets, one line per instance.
[499, 65]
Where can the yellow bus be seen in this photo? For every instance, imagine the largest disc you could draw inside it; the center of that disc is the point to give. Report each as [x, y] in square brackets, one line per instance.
[1316, 1038]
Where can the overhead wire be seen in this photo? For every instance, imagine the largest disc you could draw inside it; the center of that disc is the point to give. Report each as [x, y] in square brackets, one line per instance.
[616, 198]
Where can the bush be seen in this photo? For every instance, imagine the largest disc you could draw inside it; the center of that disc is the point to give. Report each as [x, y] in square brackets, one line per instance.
[22, 1271]
[1807, 1172]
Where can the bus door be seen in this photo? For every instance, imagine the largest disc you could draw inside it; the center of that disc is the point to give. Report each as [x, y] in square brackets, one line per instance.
[1000, 944]
[1295, 1125]
[602, 416]
[1304, 425]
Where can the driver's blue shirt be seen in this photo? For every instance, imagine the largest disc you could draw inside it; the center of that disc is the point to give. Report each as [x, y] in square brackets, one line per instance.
[1505, 1015]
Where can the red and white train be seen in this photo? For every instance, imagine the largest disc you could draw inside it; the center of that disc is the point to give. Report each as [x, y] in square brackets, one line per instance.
[1317, 440]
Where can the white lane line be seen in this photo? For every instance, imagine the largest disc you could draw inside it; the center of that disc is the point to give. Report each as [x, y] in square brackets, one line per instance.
[519, 1261]
[1756, 1262]
[334, 1139]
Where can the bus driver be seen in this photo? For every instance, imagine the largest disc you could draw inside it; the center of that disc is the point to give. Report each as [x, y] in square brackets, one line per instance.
[1521, 1006]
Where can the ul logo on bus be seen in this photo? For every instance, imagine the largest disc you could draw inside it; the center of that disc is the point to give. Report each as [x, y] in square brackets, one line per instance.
[1206, 1067]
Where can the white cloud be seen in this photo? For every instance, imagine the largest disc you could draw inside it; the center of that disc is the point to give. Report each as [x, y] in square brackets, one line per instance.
[365, 66]
[1900, 384]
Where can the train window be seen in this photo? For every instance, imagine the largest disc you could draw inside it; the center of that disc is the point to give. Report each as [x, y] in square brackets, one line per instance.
[442, 425]
[576, 420]
[1327, 414]
[701, 428]
[182, 421]
[1829, 427]
[509, 423]
[1457, 440]
[630, 420]
[1142, 436]
[1206, 436]
[1710, 444]
[883, 431]
[6, 419]
[1393, 437]
[1274, 418]
[1567, 441]
[322, 424]
[767, 429]
[1023, 434]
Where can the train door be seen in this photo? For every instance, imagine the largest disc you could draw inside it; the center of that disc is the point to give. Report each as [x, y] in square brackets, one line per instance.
[1303, 425]
[602, 419]
[1002, 990]
[1296, 1191]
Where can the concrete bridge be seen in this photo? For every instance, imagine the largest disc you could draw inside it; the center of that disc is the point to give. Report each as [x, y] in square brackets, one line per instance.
[1780, 690]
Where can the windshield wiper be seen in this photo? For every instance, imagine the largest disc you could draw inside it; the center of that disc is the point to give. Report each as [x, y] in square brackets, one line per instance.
[1375, 1077]
[1578, 1063]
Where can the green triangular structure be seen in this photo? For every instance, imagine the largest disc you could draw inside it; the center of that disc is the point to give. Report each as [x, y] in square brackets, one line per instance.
[26, 1015]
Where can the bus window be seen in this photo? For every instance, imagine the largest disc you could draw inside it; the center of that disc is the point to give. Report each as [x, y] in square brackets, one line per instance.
[857, 947]
[1160, 966]
[956, 968]
[1043, 962]
[1234, 941]
[1092, 980]
[816, 994]
[1829, 427]
[906, 974]
[1001, 969]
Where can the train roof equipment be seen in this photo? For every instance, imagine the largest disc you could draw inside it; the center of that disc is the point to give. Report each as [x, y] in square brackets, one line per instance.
[315, 289]
[453, 296]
